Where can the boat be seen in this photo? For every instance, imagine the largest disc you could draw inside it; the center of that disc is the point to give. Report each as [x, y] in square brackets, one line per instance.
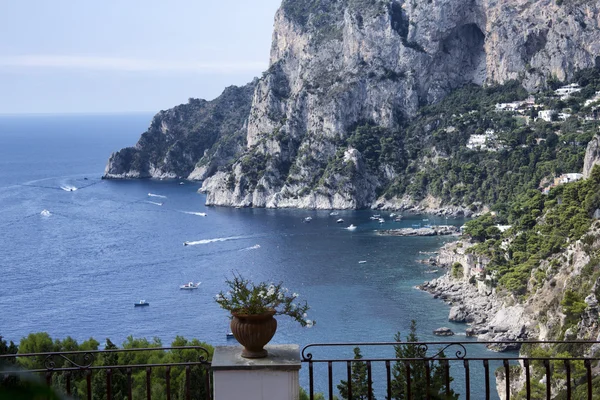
[334, 213]
[141, 303]
[362, 261]
[351, 227]
[190, 286]
[307, 219]
[425, 219]
[398, 218]
[339, 221]
[381, 220]
[392, 215]
[229, 335]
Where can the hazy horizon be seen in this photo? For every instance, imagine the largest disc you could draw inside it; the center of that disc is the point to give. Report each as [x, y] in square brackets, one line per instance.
[133, 57]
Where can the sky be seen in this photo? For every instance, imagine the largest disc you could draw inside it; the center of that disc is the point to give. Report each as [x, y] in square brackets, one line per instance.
[74, 56]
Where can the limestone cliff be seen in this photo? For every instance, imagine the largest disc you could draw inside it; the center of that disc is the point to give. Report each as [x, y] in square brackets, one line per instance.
[192, 139]
[592, 156]
[324, 128]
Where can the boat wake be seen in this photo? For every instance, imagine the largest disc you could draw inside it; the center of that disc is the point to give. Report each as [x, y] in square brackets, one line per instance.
[201, 214]
[68, 188]
[255, 247]
[155, 203]
[157, 195]
[207, 241]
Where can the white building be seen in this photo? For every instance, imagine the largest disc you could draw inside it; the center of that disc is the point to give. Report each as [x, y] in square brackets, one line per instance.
[546, 115]
[476, 141]
[482, 142]
[563, 116]
[566, 91]
[571, 177]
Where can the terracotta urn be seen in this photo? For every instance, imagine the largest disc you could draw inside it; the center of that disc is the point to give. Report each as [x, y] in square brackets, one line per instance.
[253, 332]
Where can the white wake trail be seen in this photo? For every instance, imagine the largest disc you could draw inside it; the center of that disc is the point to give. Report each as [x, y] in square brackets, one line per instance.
[255, 247]
[155, 203]
[68, 188]
[207, 241]
[201, 214]
[157, 195]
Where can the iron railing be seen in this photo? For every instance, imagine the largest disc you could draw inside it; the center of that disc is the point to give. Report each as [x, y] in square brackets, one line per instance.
[536, 373]
[118, 369]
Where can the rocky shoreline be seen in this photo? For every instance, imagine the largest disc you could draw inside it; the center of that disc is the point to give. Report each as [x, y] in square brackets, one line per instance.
[473, 302]
[436, 230]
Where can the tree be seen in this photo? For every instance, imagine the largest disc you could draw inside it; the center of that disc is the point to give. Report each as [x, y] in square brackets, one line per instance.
[359, 380]
[418, 371]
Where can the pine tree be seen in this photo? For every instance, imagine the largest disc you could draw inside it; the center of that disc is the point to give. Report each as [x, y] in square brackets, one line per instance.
[418, 371]
[360, 380]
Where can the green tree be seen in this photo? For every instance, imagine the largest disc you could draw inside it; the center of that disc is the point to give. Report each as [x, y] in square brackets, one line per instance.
[418, 371]
[359, 380]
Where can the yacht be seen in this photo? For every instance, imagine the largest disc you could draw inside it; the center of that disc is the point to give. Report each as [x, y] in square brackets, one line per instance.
[141, 303]
[351, 227]
[340, 221]
[190, 286]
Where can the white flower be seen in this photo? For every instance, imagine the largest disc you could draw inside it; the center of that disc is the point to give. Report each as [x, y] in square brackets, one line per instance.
[271, 291]
[219, 297]
[309, 323]
[293, 306]
[261, 293]
[304, 315]
[280, 296]
[295, 295]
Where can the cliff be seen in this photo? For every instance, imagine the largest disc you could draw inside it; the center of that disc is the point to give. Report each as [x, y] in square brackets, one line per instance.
[327, 124]
[190, 140]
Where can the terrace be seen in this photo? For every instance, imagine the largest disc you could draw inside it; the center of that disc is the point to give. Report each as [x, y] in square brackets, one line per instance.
[392, 370]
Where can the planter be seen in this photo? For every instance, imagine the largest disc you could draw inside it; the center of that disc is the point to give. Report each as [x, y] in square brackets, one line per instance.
[253, 332]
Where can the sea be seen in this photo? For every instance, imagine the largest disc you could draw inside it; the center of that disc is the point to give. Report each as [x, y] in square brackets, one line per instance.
[76, 251]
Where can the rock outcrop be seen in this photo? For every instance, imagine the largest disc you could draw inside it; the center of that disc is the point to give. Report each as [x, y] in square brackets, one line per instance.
[321, 128]
[191, 140]
[494, 315]
[592, 156]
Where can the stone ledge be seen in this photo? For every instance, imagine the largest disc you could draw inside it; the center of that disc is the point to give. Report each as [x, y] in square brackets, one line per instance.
[282, 357]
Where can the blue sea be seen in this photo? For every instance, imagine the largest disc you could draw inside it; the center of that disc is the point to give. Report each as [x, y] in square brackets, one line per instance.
[108, 244]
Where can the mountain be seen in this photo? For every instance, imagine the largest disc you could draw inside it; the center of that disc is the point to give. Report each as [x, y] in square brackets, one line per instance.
[331, 123]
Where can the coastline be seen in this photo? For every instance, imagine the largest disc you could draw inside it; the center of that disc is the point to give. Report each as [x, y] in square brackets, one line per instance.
[487, 316]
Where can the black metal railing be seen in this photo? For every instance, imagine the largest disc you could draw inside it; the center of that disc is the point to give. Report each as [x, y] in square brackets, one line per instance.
[450, 370]
[174, 372]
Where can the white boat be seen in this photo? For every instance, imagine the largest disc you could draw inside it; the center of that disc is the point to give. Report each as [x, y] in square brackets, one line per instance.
[142, 303]
[190, 286]
[339, 221]
[334, 213]
[381, 220]
[229, 335]
[362, 261]
[392, 215]
[307, 219]
[351, 227]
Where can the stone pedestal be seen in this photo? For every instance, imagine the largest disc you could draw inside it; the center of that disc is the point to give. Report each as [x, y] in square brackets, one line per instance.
[273, 377]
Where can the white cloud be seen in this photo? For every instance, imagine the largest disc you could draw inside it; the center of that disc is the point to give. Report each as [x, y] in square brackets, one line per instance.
[128, 64]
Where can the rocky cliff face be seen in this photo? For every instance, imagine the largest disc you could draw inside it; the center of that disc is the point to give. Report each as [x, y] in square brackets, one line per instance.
[374, 63]
[192, 139]
[592, 156]
[494, 315]
[324, 128]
